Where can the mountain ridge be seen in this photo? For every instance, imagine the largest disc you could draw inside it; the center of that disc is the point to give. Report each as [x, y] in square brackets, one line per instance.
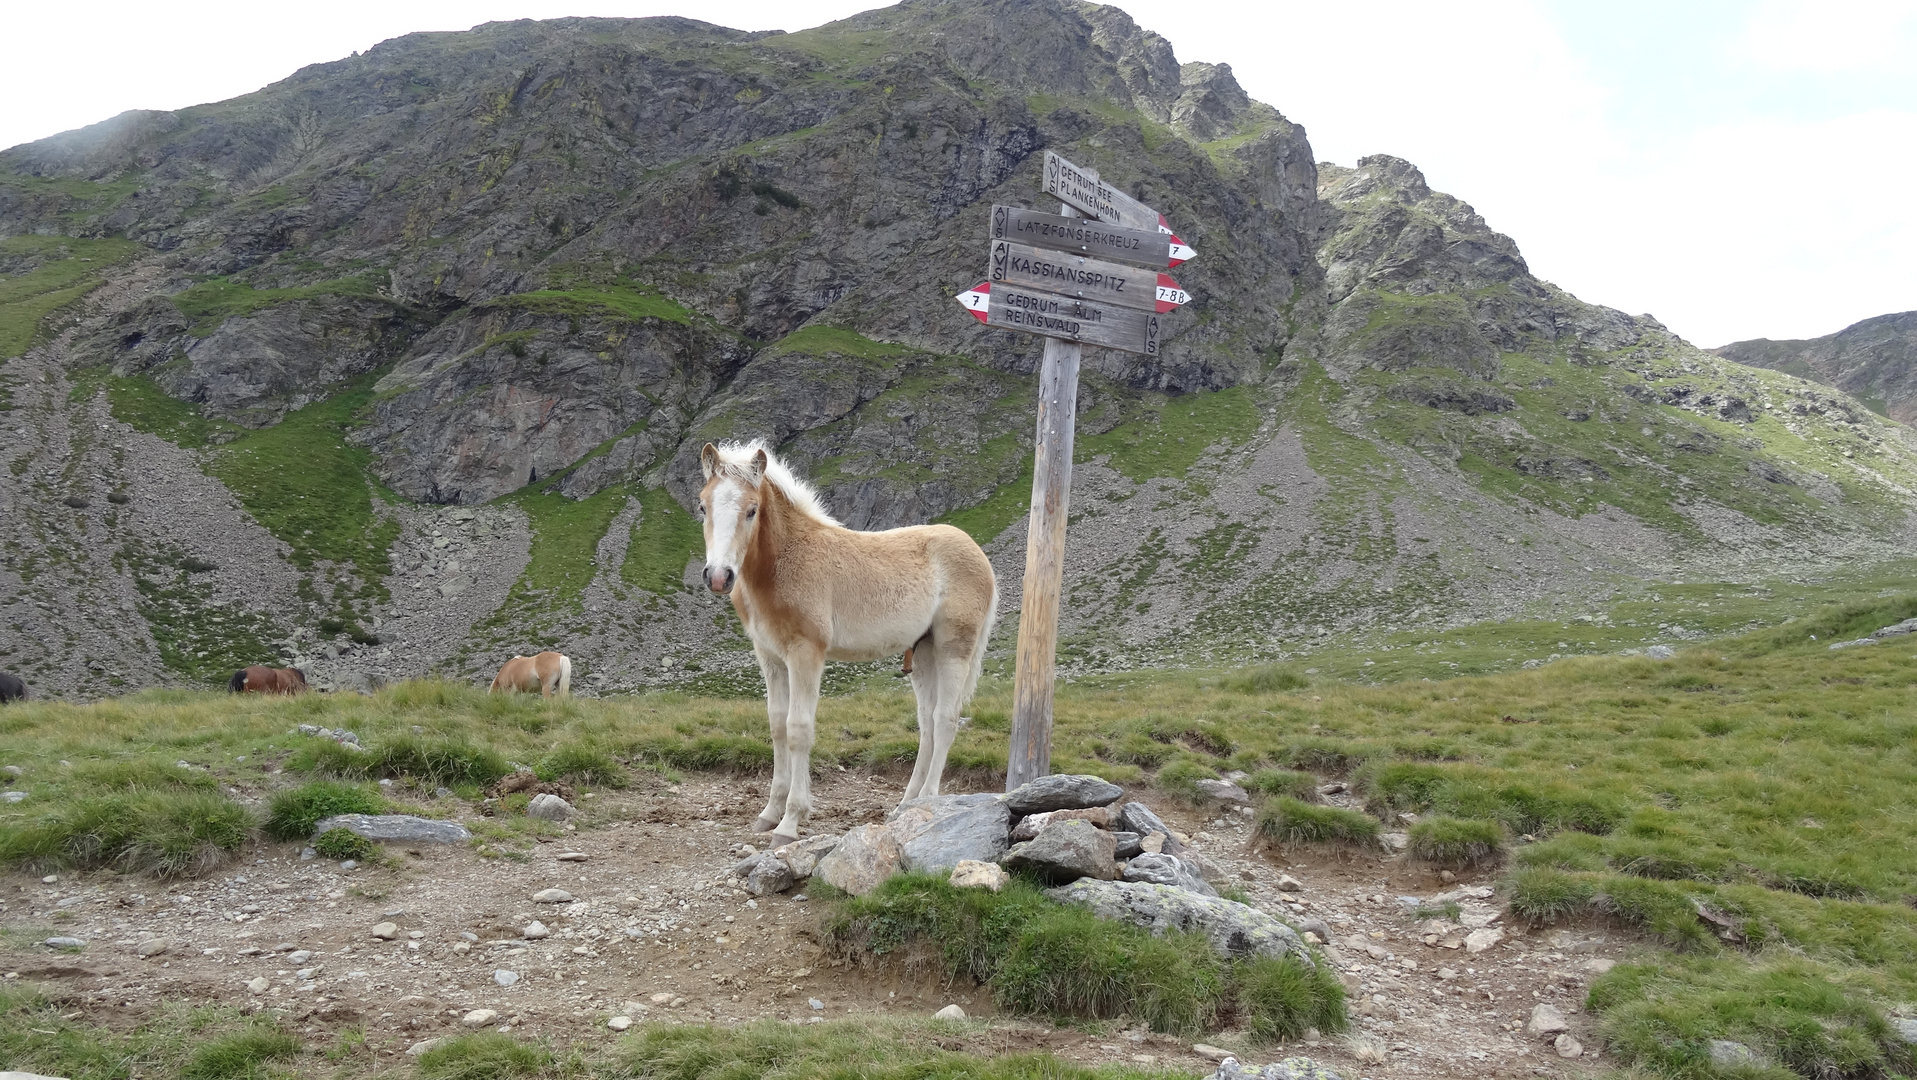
[484, 295]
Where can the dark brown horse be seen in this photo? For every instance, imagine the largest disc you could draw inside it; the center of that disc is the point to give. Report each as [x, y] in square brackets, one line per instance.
[11, 688]
[260, 679]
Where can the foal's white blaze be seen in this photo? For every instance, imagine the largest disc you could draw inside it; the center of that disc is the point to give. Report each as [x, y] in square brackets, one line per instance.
[723, 535]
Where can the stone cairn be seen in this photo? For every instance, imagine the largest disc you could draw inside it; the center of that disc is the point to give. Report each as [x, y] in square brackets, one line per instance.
[1120, 860]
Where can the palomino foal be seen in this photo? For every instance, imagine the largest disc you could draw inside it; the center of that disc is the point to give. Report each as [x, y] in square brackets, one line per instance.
[810, 590]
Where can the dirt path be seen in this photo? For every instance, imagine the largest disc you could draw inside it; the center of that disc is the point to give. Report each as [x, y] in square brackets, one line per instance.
[656, 932]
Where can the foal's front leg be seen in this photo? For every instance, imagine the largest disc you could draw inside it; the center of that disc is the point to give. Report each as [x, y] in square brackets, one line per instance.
[777, 698]
[805, 667]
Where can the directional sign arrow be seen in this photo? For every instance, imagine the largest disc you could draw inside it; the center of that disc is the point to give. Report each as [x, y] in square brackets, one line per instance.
[976, 299]
[1170, 295]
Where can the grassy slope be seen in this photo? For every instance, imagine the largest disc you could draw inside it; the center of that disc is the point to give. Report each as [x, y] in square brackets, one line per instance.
[1765, 778]
[57, 270]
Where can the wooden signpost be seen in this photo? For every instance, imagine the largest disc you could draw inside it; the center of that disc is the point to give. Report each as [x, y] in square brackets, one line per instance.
[1075, 281]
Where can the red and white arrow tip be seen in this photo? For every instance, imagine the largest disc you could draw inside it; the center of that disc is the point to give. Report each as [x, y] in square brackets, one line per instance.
[1181, 252]
[1169, 294]
[978, 298]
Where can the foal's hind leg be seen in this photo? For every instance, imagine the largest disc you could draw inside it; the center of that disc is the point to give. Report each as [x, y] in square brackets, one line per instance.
[953, 667]
[778, 696]
[925, 686]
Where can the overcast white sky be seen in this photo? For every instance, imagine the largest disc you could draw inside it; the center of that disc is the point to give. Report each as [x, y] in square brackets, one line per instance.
[1737, 168]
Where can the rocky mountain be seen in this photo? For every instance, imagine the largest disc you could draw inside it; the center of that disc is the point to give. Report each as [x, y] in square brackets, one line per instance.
[402, 364]
[1874, 361]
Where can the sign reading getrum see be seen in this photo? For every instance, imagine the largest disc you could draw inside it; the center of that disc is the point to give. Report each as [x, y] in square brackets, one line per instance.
[1082, 278]
[1052, 315]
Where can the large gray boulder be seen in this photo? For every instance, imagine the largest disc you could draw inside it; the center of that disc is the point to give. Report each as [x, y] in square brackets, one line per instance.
[764, 873]
[397, 828]
[940, 832]
[803, 856]
[1167, 870]
[1065, 791]
[1066, 851]
[1234, 929]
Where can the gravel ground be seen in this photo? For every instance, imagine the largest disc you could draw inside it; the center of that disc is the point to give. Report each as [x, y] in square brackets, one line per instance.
[656, 932]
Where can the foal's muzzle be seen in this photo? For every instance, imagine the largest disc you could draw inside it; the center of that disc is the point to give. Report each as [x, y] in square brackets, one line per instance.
[719, 579]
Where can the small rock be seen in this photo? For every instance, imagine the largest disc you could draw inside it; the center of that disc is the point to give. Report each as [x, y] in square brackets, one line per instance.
[386, 931]
[572, 856]
[1479, 940]
[423, 1045]
[442, 793]
[1029, 825]
[349, 864]
[973, 874]
[1598, 965]
[1139, 818]
[461, 948]
[1546, 1021]
[13, 796]
[1062, 792]
[153, 946]
[299, 956]
[1394, 842]
[13, 771]
[548, 806]
[1126, 844]
[535, 930]
[802, 856]
[258, 984]
[506, 978]
[1727, 1054]
[479, 1018]
[1204, 1050]
[816, 1004]
[1567, 1046]
[1296, 1068]
[552, 896]
[1660, 652]
[1905, 1028]
[661, 999]
[1287, 883]
[308, 854]
[950, 1012]
[1223, 791]
[764, 873]
[619, 1023]
[65, 943]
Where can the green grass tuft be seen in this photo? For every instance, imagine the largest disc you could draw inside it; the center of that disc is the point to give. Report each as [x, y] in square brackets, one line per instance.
[1457, 842]
[487, 1055]
[243, 1055]
[1293, 821]
[1282, 997]
[292, 814]
[168, 833]
[1301, 786]
[431, 762]
[584, 764]
[1042, 958]
[342, 844]
[1267, 679]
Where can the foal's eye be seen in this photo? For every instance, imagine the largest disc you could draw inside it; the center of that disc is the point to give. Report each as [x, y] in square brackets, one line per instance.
[752, 513]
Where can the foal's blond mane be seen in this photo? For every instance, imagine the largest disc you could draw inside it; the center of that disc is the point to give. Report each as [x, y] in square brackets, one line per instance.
[735, 459]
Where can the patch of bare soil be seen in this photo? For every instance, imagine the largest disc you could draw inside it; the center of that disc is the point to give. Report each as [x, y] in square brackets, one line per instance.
[657, 930]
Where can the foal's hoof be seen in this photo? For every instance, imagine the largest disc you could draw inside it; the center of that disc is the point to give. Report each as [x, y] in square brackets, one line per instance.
[762, 825]
[779, 840]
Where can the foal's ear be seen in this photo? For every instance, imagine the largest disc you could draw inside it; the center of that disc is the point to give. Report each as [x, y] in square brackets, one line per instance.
[758, 465]
[709, 460]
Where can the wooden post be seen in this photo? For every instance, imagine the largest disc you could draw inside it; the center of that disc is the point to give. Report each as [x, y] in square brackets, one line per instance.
[1031, 750]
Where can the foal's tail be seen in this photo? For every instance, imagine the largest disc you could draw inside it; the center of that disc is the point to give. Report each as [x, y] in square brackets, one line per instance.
[977, 666]
[565, 675]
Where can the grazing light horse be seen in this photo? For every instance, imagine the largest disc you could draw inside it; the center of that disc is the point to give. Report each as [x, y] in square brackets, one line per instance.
[550, 673]
[810, 590]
